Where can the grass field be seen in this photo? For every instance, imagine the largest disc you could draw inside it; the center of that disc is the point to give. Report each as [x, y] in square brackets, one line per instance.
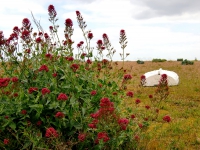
[182, 104]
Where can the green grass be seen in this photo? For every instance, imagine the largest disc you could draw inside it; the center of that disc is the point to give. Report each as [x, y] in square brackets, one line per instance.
[182, 104]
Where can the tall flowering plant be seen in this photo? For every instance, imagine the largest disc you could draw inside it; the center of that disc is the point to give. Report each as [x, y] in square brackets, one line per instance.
[48, 92]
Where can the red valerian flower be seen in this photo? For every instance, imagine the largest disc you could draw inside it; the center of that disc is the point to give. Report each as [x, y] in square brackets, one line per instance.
[16, 30]
[132, 116]
[123, 122]
[105, 35]
[83, 55]
[114, 93]
[167, 118]
[4, 82]
[81, 137]
[150, 96]
[94, 92]
[130, 94]
[60, 115]
[26, 23]
[78, 13]
[79, 45]
[45, 91]
[39, 123]
[38, 40]
[68, 22]
[137, 138]
[62, 97]
[127, 77]
[48, 55]
[143, 77]
[52, 11]
[99, 43]
[25, 35]
[32, 89]
[51, 132]
[46, 36]
[23, 112]
[140, 125]
[92, 125]
[105, 102]
[40, 33]
[137, 101]
[6, 141]
[90, 36]
[54, 74]
[122, 32]
[89, 61]
[105, 61]
[50, 28]
[102, 135]
[102, 47]
[15, 95]
[74, 67]
[28, 51]
[147, 107]
[164, 76]
[14, 79]
[6, 117]
[44, 68]
[95, 115]
[69, 58]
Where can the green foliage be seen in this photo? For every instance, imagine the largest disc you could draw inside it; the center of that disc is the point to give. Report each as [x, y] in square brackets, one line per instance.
[187, 62]
[140, 62]
[179, 59]
[158, 60]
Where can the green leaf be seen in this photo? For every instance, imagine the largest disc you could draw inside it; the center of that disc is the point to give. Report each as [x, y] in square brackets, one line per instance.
[83, 111]
[78, 125]
[36, 106]
[12, 126]
[54, 105]
[72, 101]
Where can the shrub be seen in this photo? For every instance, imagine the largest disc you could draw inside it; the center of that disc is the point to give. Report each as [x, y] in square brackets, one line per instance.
[158, 60]
[179, 59]
[140, 62]
[187, 62]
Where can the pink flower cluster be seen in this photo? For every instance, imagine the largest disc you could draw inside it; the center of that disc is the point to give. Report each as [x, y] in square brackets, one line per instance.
[45, 91]
[127, 77]
[4, 82]
[123, 122]
[51, 132]
[167, 118]
[106, 109]
[44, 68]
[32, 89]
[60, 115]
[81, 137]
[130, 94]
[103, 136]
[62, 97]
[74, 67]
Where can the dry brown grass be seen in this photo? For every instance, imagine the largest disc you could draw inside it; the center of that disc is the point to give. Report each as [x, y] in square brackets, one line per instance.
[183, 105]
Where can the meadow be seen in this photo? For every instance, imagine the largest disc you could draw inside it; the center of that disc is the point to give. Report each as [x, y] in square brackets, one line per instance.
[182, 105]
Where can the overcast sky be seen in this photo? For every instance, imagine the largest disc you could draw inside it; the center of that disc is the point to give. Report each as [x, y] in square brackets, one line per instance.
[167, 29]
